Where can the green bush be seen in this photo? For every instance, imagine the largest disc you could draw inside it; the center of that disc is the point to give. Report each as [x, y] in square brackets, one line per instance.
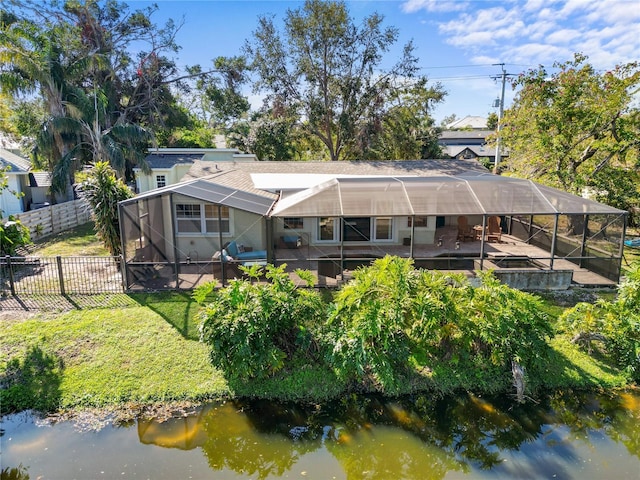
[13, 235]
[391, 310]
[253, 328]
[611, 329]
[369, 321]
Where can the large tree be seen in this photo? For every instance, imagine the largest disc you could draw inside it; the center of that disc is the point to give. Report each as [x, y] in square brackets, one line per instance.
[405, 130]
[569, 128]
[97, 95]
[330, 69]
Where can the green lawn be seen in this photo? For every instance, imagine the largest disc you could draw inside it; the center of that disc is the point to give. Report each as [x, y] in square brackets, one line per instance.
[98, 357]
[79, 241]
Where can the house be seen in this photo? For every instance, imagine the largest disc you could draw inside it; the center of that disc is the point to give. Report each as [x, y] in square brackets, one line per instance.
[26, 189]
[14, 199]
[331, 217]
[467, 144]
[169, 165]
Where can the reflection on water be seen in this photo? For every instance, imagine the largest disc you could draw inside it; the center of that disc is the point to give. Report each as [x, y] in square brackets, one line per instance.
[565, 436]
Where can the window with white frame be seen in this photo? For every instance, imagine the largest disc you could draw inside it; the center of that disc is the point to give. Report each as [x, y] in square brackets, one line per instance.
[161, 181]
[327, 229]
[383, 228]
[216, 218]
[202, 218]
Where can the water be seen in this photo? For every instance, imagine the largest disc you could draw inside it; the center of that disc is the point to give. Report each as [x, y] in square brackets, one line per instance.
[565, 436]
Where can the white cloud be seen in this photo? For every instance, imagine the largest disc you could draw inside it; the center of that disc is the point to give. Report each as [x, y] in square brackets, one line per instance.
[412, 6]
[544, 31]
[563, 36]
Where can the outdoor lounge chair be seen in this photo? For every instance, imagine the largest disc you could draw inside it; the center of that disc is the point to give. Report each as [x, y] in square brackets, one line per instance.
[464, 229]
[494, 230]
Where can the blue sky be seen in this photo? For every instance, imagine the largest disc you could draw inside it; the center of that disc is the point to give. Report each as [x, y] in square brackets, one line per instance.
[457, 41]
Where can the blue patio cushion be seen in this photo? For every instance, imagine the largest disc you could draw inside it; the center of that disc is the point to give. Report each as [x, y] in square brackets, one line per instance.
[232, 249]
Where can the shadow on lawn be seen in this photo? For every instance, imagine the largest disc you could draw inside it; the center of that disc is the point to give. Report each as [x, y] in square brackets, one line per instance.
[176, 308]
[31, 382]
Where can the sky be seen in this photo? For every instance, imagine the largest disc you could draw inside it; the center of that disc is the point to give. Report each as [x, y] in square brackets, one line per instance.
[460, 43]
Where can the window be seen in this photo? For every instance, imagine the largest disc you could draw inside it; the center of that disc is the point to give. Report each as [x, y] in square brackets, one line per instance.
[213, 223]
[383, 228]
[197, 218]
[327, 230]
[293, 223]
[420, 221]
[161, 181]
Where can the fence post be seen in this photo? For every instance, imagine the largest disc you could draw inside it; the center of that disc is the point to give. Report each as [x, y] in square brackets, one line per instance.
[11, 279]
[123, 272]
[60, 275]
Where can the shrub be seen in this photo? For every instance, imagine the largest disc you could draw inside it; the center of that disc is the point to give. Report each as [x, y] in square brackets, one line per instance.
[13, 235]
[253, 328]
[369, 322]
[615, 326]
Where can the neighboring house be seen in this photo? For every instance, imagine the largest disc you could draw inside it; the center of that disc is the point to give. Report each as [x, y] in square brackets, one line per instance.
[14, 199]
[33, 189]
[338, 210]
[467, 144]
[169, 165]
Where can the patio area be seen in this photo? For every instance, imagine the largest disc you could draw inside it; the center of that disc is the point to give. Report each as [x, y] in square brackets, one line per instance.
[515, 262]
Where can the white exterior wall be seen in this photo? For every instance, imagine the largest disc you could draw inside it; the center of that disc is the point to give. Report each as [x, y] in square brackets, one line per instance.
[423, 235]
[9, 203]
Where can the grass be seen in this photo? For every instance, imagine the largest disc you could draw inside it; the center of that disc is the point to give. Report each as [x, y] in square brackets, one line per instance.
[100, 357]
[79, 241]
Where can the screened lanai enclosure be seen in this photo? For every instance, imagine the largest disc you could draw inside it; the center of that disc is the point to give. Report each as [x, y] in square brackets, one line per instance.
[529, 235]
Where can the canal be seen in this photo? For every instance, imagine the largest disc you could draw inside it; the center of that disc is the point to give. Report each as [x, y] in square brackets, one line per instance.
[563, 436]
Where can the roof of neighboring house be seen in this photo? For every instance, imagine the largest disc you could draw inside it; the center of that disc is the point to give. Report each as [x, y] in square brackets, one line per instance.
[478, 150]
[385, 168]
[17, 163]
[169, 160]
[39, 179]
[464, 134]
[469, 122]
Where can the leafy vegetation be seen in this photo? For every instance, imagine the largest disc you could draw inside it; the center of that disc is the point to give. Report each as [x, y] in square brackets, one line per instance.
[577, 128]
[610, 328]
[323, 64]
[392, 328]
[253, 329]
[103, 191]
[13, 235]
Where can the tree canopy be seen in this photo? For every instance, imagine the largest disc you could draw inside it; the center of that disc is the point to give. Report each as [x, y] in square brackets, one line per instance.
[329, 69]
[576, 128]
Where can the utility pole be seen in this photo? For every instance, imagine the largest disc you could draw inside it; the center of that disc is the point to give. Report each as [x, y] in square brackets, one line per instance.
[500, 112]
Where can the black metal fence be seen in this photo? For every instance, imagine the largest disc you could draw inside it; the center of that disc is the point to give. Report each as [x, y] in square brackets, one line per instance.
[60, 275]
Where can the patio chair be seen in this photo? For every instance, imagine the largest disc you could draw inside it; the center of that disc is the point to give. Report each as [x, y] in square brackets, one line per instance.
[464, 229]
[494, 230]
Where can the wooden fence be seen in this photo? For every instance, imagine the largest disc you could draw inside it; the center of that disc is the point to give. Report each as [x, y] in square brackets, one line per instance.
[47, 221]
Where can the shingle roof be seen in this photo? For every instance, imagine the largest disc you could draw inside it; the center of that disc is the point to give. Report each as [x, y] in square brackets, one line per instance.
[241, 177]
[39, 179]
[168, 160]
[17, 163]
[464, 134]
